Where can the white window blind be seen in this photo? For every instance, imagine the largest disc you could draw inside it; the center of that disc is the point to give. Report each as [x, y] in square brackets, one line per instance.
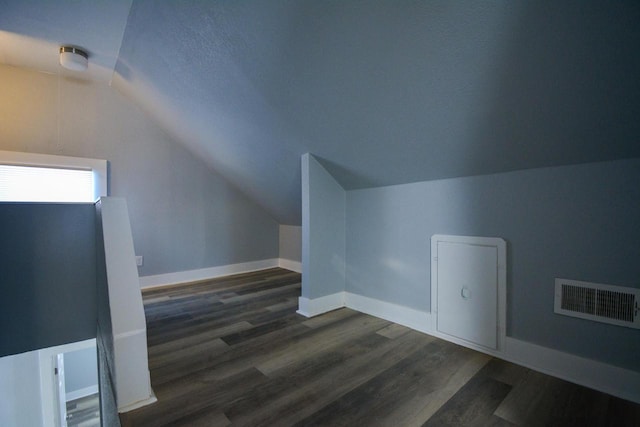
[38, 184]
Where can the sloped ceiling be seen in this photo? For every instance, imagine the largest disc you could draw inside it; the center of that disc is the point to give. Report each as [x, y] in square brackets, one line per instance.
[31, 32]
[382, 92]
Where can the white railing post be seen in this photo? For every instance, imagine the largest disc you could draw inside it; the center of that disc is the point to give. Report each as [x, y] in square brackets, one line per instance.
[133, 383]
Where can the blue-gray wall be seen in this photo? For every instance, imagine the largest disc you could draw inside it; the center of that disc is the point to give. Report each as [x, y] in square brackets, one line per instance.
[80, 369]
[387, 92]
[579, 222]
[48, 275]
[291, 242]
[184, 215]
[20, 390]
[323, 231]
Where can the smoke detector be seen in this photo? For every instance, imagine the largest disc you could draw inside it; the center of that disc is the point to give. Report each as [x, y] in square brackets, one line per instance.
[73, 58]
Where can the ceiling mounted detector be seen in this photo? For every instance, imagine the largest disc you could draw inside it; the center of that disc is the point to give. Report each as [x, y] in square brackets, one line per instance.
[73, 58]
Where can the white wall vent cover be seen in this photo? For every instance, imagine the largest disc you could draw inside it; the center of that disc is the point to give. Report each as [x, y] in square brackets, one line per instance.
[603, 303]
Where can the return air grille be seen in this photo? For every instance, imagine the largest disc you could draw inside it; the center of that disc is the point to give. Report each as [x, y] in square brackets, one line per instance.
[602, 303]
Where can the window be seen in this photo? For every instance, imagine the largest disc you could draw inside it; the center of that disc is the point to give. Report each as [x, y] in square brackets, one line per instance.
[27, 177]
[35, 184]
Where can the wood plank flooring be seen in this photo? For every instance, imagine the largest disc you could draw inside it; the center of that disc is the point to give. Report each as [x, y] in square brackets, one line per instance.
[84, 412]
[233, 352]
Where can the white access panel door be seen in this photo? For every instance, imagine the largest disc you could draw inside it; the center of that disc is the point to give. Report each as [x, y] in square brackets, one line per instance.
[468, 296]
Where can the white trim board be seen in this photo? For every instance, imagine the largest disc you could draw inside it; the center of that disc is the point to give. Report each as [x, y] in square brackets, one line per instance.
[83, 392]
[133, 379]
[418, 320]
[620, 382]
[139, 404]
[623, 383]
[405, 316]
[206, 273]
[178, 277]
[314, 307]
[409, 317]
[290, 265]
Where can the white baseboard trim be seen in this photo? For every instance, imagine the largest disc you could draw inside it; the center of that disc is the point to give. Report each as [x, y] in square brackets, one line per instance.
[600, 376]
[206, 273]
[290, 265]
[409, 317]
[613, 380]
[314, 307]
[139, 404]
[83, 392]
[486, 350]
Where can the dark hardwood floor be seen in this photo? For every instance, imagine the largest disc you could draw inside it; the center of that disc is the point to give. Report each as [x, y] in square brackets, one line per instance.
[233, 351]
[84, 412]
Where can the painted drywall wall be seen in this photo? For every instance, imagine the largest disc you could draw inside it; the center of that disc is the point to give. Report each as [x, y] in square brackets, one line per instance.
[323, 231]
[578, 222]
[80, 370]
[48, 264]
[20, 390]
[184, 216]
[387, 92]
[291, 242]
